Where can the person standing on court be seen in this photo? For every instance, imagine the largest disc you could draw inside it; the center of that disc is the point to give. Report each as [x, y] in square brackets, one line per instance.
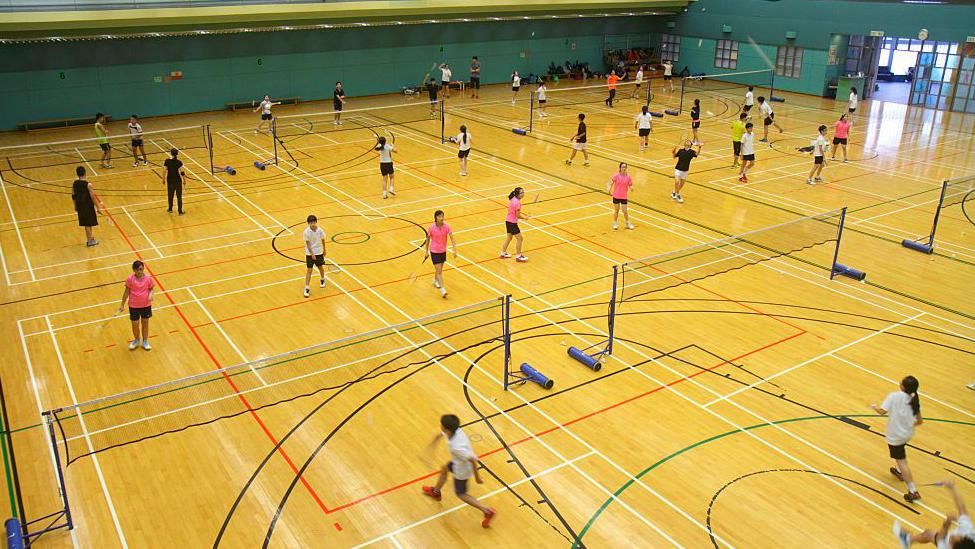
[314, 252]
[86, 204]
[475, 76]
[737, 130]
[173, 177]
[669, 74]
[385, 151]
[619, 188]
[579, 142]
[101, 135]
[338, 101]
[138, 292]
[683, 166]
[435, 248]
[445, 75]
[611, 81]
[433, 92]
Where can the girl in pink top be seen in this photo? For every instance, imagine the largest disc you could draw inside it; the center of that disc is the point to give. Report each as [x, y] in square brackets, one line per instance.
[436, 248]
[511, 225]
[841, 133]
[619, 188]
[138, 292]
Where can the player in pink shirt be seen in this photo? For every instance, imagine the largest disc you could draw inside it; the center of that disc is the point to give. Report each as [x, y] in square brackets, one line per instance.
[619, 188]
[436, 248]
[138, 292]
[841, 133]
[511, 225]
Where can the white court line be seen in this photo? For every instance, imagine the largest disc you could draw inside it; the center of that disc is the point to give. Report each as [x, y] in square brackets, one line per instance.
[20, 237]
[3, 264]
[84, 429]
[85, 160]
[226, 336]
[143, 233]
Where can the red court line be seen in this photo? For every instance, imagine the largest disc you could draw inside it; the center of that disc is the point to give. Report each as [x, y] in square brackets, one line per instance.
[573, 421]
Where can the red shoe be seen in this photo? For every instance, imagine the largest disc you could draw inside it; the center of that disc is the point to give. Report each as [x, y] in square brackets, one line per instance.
[488, 517]
[743, 179]
[432, 492]
[910, 497]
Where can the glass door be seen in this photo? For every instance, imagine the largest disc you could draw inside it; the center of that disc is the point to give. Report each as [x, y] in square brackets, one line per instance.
[936, 75]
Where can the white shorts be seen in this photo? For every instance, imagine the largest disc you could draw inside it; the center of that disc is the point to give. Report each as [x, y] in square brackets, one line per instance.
[579, 146]
[680, 174]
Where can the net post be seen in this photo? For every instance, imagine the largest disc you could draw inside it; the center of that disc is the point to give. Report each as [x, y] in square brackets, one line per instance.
[531, 110]
[274, 139]
[680, 108]
[937, 213]
[839, 236]
[506, 337]
[649, 94]
[771, 85]
[443, 121]
[8, 452]
[208, 139]
[612, 311]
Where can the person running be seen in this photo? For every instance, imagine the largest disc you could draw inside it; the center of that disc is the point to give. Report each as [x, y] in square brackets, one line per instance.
[135, 132]
[542, 100]
[737, 130]
[511, 225]
[138, 292]
[338, 102]
[101, 134]
[903, 411]
[961, 536]
[841, 134]
[619, 188]
[684, 157]
[766, 109]
[436, 249]
[515, 86]
[637, 82]
[463, 140]
[445, 75]
[819, 156]
[386, 164]
[314, 252]
[475, 77]
[749, 101]
[433, 92]
[669, 74]
[695, 120]
[611, 81]
[463, 464]
[87, 205]
[579, 142]
[173, 179]
[265, 107]
[644, 126]
[852, 104]
[747, 152]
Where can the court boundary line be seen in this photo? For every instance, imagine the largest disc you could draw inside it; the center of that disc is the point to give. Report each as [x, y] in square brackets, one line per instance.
[13, 219]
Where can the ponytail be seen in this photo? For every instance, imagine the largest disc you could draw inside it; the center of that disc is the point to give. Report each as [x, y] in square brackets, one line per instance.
[515, 193]
[463, 130]
[910, 385]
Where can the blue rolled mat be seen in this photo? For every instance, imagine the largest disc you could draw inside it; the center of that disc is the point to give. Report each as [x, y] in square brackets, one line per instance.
[534, 375]
[586, 360]
[672, 112]
[656, 114]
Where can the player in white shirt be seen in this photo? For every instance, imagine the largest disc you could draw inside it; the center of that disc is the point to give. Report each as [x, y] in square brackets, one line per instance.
[542, 100]
[445, 76]
[644, 125]
[747, 152]
[265, 108]
[766, 109]
[463, 464]
[669, 74]
[959, 536]
[638, 81]
[135, 132]
[385, 151]
[463, 141]
[314, 252]
[903, 411]
[852, 104]
[515, 86]
[820, 146]
[749, 100]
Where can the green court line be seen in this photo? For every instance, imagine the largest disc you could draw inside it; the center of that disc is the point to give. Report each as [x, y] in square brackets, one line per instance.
[665, 459]
[6, 468]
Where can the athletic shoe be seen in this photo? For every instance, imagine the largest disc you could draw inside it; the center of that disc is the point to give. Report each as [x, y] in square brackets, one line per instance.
[971, 385]
[616, 225]
[145, 345]
[743, 179]
[568, 162]
[521, 258]
[845, 161]
[91, 243]
[464, 174]
[488, 517]
[181, 212]
[307, 291]
[903, 538]
[432, 492]
[504, 255]
[673, 196]
[586, 163]
[809, 181]
[680, 199]
[384, 196]
[145, 162]
[321, 283]
[630, 226]
[134, 344]
[435, 283]
[443, 293]
[781, 130]
[135, 164]
[763, 140]
[391, 191]
[897, 474]
[911, 497]
[818, 179]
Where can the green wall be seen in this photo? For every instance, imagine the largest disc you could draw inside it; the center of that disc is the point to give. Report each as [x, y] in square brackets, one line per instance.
[117, 76]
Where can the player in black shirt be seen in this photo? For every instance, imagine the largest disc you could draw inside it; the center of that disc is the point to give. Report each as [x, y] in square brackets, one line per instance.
[433, 91]
[174, 180]
[696, 119]
[579, 142]
[684, 157]
[338, 101]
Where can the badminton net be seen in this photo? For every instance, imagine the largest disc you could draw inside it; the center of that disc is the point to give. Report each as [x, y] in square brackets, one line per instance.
[954, 192]
[731, 85]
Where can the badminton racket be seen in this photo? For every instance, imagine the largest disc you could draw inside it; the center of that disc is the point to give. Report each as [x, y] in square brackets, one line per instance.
[536, 198]
[414, 273]
[101, 326]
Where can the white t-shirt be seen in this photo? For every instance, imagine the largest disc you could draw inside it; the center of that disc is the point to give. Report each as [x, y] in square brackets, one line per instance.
[668, 69]
[445, 74]
[460, 141]
[644, 121]
[819, 146]
[766, 108]
[135, 130]
[515, 81]
[747, 143]
[266, 106]
[900, 418]
[853, 100]
[541, 93]
[461, 453]
[749, 98]
[313, 240]
[639, 76]
[386, 153]
[962, 528]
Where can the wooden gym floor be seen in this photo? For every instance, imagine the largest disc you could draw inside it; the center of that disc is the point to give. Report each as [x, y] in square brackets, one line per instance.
[733, 411]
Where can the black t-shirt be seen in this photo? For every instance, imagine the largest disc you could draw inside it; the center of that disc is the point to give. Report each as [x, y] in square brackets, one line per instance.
[695, 113]
[432, 89]
[81, 195]
[335, 97]
[684, 157]
[172, 169]
[581, 132]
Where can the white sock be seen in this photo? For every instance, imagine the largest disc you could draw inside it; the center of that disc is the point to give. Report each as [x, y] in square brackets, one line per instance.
[911, 487]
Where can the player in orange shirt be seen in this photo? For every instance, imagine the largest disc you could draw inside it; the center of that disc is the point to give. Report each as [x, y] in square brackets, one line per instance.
[611, 81]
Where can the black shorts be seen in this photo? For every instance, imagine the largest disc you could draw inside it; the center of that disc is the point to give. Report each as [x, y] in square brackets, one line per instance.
[476, 82]
[511, 228]
[839, 140]
[853, 110]
[104, 146]
[438, 258]
[515, 88]
[668, 76]
[433, 98]
[644, 132]
[695, 124]
[749, 157]
[746, 108]
[135, 313]
[386, 168]
[266, 116]
[136, 143]
[316, 261]
[736, 145]
[460, 486]
[817, 160]
[337, 107]
[619, 200]
[542, 101]
[463, 154]
[897, 452]
[770, 119]
[445, 84]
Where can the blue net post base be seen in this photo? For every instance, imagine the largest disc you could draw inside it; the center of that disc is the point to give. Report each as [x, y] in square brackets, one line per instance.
[593, 361]
[527, 373]
[924, 247]
[843, 270]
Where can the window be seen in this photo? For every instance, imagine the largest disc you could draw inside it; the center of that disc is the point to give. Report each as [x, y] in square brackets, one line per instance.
[726, 54]
[788, 61]
[670, 47]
